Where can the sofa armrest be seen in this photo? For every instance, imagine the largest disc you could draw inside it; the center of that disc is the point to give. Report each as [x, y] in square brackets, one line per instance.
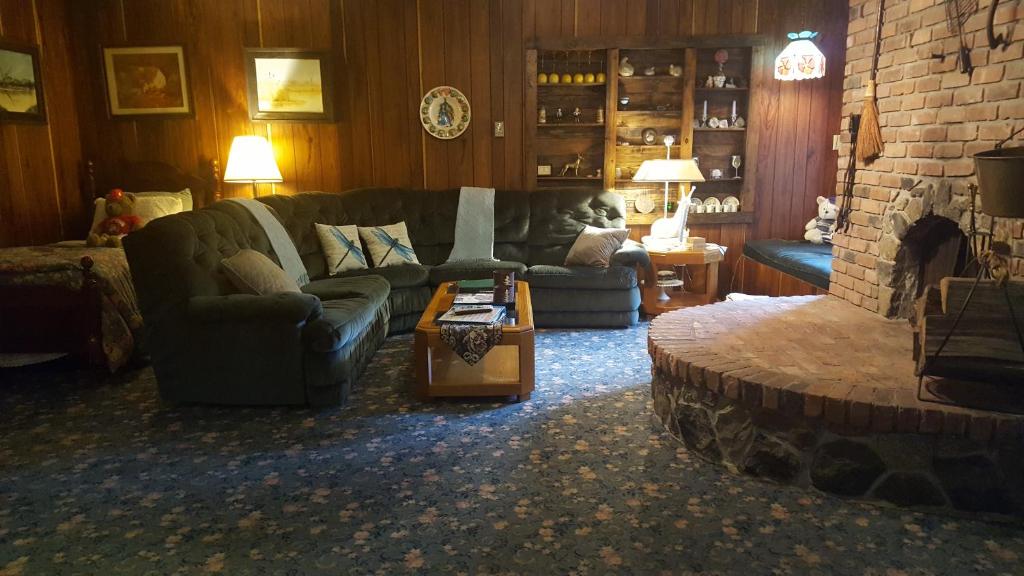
[631, 254]
[286, 307]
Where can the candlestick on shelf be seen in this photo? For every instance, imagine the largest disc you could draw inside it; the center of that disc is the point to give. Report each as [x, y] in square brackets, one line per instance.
[733, 112]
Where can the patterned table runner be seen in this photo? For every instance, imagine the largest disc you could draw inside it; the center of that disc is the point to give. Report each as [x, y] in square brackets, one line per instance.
[471, 341]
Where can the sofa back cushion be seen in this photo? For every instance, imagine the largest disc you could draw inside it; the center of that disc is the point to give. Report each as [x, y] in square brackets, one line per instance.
[558, 216]
[177, 257]
[511, 225]
[429, 217]
[533, 228]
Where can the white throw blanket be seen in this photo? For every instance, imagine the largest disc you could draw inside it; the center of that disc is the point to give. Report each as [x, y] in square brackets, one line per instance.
[474, 225]
[280, 240]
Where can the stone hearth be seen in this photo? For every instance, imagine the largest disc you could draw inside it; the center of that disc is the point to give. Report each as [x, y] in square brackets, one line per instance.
[816, 392]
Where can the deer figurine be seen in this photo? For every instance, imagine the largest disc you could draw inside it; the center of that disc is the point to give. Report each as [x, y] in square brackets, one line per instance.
[574, 166]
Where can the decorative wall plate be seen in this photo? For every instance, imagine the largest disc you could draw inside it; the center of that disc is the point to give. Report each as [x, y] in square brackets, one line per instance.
[644, 205]
[649, 136]
[731, 201]
[445, 112]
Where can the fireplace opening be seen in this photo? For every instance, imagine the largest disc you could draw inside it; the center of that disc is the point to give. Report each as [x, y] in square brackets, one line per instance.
[933, 248]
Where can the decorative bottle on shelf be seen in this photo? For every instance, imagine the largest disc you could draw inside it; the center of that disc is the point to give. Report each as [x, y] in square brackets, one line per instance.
[600, 115]
[542, 115]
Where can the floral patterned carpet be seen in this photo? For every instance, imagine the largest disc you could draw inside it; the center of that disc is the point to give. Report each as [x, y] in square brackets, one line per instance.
[104, 478]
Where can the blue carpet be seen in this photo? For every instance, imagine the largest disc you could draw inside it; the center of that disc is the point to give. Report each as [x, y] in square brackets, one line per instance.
[104, 478]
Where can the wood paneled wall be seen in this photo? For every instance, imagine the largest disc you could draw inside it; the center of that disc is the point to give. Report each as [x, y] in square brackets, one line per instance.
[39, 191]
[388, 52]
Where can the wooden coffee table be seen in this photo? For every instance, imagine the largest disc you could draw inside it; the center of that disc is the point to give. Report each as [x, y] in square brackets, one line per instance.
[506, 370]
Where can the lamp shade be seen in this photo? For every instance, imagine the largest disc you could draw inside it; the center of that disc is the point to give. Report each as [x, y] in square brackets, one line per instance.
[801, 60]
[251, 159]
[684, 170]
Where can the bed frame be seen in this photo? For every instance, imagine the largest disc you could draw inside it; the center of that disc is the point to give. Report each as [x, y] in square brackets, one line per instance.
[45, 319]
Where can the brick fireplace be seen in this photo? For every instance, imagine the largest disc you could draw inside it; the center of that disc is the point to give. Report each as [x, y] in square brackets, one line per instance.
[933, 119]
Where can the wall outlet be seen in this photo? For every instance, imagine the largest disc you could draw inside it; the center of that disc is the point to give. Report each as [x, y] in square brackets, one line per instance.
[836, 141]
[499, 129]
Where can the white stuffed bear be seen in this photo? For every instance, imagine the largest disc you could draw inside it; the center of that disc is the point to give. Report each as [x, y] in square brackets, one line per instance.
[819, 230]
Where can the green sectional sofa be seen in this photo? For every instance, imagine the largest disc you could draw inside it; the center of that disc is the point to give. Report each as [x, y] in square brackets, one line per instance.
[209, 344]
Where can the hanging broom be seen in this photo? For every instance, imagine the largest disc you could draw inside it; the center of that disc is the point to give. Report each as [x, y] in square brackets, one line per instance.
[869, 138]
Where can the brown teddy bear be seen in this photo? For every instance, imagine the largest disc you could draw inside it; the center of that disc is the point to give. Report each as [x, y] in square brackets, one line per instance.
[120, 220]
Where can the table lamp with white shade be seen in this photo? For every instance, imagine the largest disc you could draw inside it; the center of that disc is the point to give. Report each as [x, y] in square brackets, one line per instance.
[251, 161]
[667, 233]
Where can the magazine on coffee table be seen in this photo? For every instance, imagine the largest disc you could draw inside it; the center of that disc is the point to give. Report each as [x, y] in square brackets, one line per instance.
[474, 298]
[468, 314]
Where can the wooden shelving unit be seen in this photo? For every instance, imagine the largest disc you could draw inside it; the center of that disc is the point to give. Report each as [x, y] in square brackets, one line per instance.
[556, 141]
[656, 103]
[667, 104]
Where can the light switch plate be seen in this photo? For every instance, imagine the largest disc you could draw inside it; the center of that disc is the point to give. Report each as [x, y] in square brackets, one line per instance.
[499, 129]
[835, 142]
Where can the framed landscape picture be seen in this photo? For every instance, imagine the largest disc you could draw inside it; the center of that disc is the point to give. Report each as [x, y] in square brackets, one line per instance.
[289, 84]
[147, 81]
[21, 86]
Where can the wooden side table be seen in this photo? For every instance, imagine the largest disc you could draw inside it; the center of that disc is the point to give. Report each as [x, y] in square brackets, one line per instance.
[679, 297]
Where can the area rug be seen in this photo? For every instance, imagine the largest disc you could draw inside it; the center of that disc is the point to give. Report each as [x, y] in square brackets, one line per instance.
[104, 478]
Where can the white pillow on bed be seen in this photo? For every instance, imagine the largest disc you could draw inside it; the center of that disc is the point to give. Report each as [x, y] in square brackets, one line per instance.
[146, 208]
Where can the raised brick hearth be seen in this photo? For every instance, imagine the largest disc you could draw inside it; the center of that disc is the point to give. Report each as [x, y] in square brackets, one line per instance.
[815, 392]
[934, 119]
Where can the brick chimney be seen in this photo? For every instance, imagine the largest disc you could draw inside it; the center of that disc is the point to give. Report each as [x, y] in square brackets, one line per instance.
[934, 119]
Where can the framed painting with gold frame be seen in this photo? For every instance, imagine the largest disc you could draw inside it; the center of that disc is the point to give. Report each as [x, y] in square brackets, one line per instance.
[146, 81]
[289, 84]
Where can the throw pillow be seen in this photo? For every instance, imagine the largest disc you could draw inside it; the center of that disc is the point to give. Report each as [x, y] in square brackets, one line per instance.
[388, 245]
[341, 247]
[595, 246]
[253, 272]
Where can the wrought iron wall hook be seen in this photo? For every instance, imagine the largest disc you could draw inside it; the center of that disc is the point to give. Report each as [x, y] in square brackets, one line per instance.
[993, 40]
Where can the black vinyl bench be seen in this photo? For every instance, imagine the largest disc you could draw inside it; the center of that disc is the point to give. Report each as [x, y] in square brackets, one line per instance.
[807, 262]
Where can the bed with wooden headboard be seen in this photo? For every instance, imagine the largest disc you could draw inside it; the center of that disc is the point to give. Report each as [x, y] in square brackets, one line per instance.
[69, 298]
